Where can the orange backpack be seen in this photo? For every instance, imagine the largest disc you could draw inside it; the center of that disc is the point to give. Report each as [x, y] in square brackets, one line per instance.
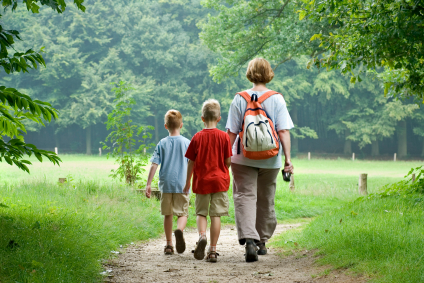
[258, 136]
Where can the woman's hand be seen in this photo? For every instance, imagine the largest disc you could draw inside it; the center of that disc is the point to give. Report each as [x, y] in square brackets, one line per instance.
[288, 167]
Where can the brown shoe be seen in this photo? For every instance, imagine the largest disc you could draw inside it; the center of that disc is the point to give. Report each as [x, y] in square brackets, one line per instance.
[199, 251]
[180, 244]
[169, 250]
[212, 256]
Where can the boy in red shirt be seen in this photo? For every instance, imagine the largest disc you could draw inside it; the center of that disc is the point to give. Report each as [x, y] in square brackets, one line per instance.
[209, 155]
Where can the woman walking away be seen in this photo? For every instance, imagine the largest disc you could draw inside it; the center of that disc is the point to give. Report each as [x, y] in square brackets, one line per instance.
[258, 125]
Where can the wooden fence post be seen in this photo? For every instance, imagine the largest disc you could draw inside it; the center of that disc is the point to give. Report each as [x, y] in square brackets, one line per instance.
[353, 156]
[362, 184]
[309, 156]
[394, 157]
[56, 151]
[291, 186]
[413, 177]
[144, 150]
[100, 151]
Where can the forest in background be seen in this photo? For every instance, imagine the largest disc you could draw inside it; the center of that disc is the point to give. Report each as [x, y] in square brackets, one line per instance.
[155, 46]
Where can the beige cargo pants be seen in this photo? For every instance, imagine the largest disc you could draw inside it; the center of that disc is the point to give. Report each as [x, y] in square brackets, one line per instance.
[253, 193]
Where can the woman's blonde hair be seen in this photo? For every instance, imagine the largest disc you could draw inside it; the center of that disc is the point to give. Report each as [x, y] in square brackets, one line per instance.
[259, 71]
[173, 119]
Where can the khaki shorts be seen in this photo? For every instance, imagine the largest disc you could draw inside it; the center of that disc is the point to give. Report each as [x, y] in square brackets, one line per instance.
[214, 205]
[174, 204]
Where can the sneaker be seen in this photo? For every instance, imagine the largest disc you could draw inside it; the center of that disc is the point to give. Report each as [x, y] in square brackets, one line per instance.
[199, 251]
[251, 254]
[180, 244]
[169, 250]
[212, 256]
[262, 250]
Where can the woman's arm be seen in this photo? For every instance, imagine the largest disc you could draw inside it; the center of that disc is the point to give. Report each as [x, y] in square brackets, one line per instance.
[232, 137]
[285, 141]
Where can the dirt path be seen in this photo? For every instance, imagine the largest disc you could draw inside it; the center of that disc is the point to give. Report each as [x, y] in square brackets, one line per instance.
[147, 263]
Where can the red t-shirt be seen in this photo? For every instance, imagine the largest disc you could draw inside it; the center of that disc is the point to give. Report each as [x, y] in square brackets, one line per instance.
[209, 148]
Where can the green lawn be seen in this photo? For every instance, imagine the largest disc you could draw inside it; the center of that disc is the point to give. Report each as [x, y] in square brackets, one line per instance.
[381, 235]
[64, 231]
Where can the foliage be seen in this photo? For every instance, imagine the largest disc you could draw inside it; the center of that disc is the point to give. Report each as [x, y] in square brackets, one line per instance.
[131, 160]
[241, 30]
[16, 107]
[373, 33]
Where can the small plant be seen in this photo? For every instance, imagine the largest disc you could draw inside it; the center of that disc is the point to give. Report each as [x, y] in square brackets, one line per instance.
[131, 159]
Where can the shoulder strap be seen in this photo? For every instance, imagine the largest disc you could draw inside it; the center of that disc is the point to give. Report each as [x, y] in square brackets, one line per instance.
[245, 95]
[266, 95]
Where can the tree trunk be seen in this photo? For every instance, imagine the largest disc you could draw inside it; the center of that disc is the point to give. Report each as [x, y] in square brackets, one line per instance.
[375, 149]
[422, 154]
[88, 140]
[56, 140]
[348, 143]
[156, 129]
[294, 141]
[402, 139]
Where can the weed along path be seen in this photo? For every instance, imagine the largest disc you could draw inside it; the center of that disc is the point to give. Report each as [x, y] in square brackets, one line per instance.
[147, 263]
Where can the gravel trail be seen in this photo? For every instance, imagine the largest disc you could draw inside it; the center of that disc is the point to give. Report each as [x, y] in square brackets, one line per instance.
[145, 262]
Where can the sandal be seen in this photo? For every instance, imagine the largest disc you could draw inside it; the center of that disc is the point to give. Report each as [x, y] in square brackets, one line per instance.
[169, 250]
[180, 244]
[212, 256]
[199, 251]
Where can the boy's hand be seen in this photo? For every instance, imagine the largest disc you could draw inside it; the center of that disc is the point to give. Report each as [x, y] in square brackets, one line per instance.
[187, 188]
[148, 191]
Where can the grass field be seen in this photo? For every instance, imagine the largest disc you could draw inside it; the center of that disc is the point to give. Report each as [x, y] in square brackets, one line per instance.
[60, 233]
[380, 235]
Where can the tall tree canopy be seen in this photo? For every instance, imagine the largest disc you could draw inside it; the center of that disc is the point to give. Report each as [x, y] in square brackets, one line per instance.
[16, 107]
[373, 33]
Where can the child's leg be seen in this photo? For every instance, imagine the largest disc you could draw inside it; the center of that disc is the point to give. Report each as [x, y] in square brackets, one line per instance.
[181, 222]
[202, 223]
[167, 225]
[215, 231]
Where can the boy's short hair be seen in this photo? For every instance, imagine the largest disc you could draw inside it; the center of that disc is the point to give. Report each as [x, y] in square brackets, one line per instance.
[259, 71]
[211, 110]
[173, 119]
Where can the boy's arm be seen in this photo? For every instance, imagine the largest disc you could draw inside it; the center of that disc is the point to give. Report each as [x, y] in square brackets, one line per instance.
[152, 173]
[228, 162]
[190, 167]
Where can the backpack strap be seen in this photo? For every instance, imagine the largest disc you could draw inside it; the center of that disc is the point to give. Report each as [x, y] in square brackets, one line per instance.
[266, 95]
[245, 95]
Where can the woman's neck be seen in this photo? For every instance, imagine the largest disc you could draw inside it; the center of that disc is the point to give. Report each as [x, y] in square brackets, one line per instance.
[259, 87]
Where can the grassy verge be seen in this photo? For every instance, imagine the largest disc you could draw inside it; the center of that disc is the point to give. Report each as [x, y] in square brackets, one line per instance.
[54, 233]
[62, 232]
[381, 235]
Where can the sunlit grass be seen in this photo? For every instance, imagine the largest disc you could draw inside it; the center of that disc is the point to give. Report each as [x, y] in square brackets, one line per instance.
[64, 231]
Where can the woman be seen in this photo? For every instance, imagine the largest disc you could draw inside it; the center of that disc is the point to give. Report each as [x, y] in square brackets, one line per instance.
[255, 180]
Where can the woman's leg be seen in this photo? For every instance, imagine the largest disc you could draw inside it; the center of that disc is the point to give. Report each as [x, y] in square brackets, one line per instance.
[266, 221]
[245, 196]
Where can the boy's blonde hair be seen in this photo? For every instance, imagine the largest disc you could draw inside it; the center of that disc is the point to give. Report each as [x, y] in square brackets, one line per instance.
[173, 119]
[211, 110]
[259, 71]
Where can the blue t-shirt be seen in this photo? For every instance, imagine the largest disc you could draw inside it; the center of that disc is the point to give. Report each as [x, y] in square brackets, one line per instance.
[169, 154]
[276, 108]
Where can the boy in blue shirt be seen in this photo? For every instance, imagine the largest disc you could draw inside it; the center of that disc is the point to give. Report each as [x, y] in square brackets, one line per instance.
[169, 153]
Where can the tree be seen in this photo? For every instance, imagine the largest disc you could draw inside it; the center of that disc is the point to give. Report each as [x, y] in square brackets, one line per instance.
[245, 29]
[16, 107]
[373, 33]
